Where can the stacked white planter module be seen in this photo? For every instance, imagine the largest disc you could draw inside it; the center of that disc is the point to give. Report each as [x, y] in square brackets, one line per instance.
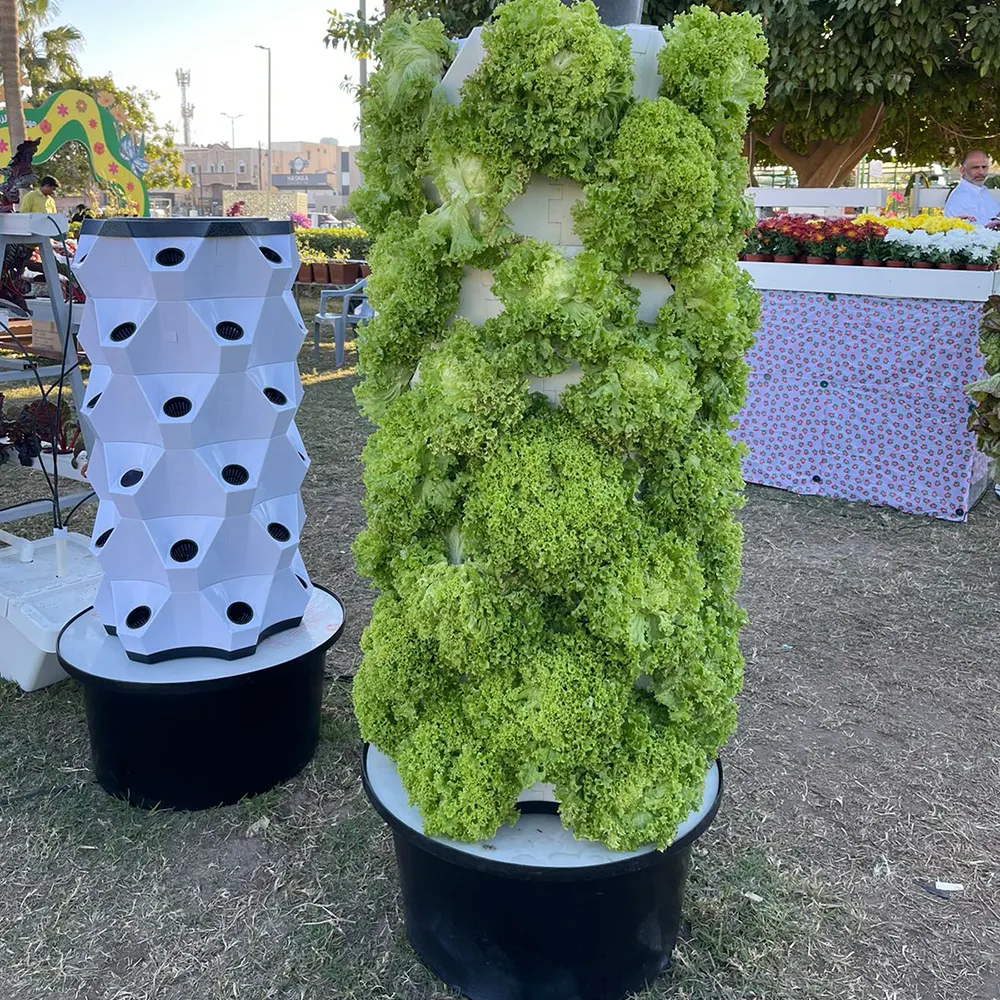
[193, 335]
[197, 460]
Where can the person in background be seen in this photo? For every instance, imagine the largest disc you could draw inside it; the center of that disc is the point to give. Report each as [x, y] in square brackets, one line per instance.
[971, 200]
[41, 200]
[80, 213]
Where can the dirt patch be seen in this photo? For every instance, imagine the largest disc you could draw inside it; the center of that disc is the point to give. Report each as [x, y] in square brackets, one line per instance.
[865, 767]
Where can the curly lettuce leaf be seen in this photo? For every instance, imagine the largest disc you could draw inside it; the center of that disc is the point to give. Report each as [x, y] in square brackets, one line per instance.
[552, 89]
[712, 65]
[659, 182]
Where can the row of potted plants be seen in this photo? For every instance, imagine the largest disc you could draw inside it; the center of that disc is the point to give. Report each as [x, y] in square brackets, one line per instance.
[315, 268]
[949, 244]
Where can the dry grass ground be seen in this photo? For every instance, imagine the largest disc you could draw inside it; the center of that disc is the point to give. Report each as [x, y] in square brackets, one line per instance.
[866, 765]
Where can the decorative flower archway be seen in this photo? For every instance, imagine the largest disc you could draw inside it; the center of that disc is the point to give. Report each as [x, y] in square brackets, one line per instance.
[116, 160]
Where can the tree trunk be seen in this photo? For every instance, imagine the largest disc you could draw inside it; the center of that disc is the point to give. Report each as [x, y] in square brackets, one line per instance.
[828, 162]
[10, 66]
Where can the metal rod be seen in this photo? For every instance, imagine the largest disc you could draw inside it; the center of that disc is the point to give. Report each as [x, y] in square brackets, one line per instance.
[267, 189]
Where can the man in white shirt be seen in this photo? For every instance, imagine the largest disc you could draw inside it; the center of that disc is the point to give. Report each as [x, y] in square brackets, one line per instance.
[971, 200]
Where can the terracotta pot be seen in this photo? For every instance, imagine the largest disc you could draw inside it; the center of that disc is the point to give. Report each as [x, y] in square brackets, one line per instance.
[871, 262]
[343, 272]
[321, 273]
[924, 265]
[978, 267]
[365, 269]
[305, 273]
[896, 263]
[950, 267]
[817, 260]
[802, 258]
[785, 259]
[756, 258]
[846, 261]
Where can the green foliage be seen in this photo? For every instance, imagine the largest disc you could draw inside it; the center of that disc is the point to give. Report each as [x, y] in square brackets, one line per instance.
[48, 51]
[557, 310]
[984, 421]
[412, 54]
[933, 64]
[351, 241]
[557, 583]
[711, 66]
[657, 185]
[551, 90]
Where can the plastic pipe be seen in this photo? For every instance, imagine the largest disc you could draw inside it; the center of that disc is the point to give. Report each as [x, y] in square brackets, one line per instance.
[60, 534]
[25, 547]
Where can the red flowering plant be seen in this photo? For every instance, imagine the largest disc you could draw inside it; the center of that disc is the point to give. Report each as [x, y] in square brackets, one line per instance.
[872, 234]
[846, 235]
[786, 234]
[819, 239]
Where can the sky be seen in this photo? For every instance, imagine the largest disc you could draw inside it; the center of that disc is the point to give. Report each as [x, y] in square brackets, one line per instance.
[214, 40]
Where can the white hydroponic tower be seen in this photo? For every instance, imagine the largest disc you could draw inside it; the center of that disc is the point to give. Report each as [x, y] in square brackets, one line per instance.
[193, 335]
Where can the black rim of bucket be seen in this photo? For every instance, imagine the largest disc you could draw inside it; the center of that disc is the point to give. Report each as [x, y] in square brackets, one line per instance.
[534, 872]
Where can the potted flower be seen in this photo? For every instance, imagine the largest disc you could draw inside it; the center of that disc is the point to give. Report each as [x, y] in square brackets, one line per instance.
[980, 257]
[819, 247]
[757, 247]
[342, 270]
[849, 242]
[786, 246]
[873, 247]
[550, 488]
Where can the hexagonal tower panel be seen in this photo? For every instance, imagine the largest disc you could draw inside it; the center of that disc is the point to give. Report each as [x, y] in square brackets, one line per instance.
[196, 458]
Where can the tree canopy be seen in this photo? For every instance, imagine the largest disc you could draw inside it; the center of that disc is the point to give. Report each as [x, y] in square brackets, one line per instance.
[918, 80]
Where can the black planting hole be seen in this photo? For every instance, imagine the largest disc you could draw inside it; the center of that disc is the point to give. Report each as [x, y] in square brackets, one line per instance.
[122, 332]
[170, 257]
[93, 402]
[305, 586]
[239, 613]
[276, 396]
[138, 617]
[235, 475]
[272, 255]
[183, 551]
[177, 406]
[278, 532]
[102, 538]
[131, 477]
[228, 330]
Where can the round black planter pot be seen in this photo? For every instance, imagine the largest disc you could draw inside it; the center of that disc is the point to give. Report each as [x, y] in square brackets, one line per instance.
[198, 732]
[533, 914]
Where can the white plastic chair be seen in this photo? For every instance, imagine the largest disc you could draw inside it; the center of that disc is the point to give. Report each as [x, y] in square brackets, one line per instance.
[354, 310]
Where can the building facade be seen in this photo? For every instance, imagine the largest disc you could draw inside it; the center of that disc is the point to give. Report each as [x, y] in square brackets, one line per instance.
[326, 172]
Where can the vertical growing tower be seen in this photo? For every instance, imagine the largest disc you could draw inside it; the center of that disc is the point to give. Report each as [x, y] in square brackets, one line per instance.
[193, 335]
[553, 371]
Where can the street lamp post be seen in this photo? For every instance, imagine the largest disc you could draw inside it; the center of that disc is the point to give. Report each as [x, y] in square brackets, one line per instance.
[232, 122]
[267, 189]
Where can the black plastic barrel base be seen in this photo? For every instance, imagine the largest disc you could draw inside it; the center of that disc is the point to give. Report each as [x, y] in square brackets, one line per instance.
[205, 743]
[496, 938]
[500, 931]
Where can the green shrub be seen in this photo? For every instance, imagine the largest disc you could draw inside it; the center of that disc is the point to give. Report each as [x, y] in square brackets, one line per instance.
[557, 584]
[352, 242]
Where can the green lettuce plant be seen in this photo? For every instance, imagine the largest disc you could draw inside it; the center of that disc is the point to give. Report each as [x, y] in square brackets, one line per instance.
[556, 582]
